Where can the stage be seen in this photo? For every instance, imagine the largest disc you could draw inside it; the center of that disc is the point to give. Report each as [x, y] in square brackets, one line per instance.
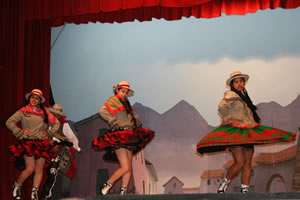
[230, 196]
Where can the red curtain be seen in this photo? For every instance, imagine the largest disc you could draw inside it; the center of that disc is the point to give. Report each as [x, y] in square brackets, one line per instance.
[25, 28]
[84, 11]
[11, 46]
[24, 65]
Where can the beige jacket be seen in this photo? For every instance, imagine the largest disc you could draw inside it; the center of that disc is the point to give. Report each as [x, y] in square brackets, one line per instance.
[122, 119]
[233, 110]
[34, 122]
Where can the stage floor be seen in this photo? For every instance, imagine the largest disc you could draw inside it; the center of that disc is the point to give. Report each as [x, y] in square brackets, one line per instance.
[231, 196]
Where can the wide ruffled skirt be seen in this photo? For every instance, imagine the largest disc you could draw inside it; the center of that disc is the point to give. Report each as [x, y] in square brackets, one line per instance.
[36, 148]
[134, 140]
[227, 136]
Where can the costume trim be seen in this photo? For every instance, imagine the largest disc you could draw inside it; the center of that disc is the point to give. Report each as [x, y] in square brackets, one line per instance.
[243, 127]
[29, 109]
[62, 121]
[232, 99]
[114, 105]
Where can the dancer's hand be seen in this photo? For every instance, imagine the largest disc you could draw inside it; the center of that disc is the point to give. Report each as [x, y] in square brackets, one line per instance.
[45, 132]
[26, 130]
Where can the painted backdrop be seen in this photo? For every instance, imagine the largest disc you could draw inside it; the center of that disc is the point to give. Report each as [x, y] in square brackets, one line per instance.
[178, 70]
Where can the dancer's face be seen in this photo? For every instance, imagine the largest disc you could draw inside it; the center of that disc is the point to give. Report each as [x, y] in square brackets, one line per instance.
[56, 115]
[34, 100]
[238, 84]
[123, 93]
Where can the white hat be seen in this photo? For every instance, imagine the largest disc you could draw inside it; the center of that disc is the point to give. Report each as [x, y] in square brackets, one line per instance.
[124, 84]
[36, 92]
[57, 109]
[236, 74]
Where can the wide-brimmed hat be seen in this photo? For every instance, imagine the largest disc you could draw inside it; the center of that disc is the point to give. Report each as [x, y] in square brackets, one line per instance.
[236, 74]
[57, 109]
[36, 92]
[124, 84]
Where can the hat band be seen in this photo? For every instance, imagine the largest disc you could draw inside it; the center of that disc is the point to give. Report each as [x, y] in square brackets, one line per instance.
[36, 92]
[237, 75]
[123, 85]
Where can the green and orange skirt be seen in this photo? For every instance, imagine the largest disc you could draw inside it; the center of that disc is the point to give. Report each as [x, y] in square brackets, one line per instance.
[228, 136]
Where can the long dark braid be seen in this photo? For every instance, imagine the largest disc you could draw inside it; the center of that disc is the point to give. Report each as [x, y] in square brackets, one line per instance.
[245, 97]
[128, 109]
[45, 113]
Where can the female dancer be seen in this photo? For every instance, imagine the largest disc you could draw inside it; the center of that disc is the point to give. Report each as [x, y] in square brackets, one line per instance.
[125, 137]
[34, 146]
[239, 131]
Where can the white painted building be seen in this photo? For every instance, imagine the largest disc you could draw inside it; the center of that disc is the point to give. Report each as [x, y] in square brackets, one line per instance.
[173, 186]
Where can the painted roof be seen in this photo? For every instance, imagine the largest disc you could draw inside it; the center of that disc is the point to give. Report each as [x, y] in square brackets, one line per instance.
[174, 177]
[277, 157]
[213, 173]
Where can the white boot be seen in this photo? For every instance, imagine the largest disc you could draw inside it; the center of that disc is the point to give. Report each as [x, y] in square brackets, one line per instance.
[34, 194]
[223, 185]
[105, 188]
[17, 191]
[244, 188]
[123, 190]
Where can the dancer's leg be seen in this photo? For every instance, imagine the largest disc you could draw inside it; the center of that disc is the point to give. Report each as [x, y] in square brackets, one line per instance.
[38, 172]
[239, 161]
[125, 165]
[127, 175]
[29, 169]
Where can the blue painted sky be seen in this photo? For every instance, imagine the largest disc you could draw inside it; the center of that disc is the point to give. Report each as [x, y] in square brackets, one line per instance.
[167, 61]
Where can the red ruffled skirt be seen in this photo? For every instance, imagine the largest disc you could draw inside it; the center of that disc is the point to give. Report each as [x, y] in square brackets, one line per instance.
[134, 140]
[36, 148]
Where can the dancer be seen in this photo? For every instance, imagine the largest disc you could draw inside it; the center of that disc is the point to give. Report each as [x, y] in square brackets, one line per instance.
[64, 165]
[239, 131]
[65, 132]
[34, 146]
[125, 137]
